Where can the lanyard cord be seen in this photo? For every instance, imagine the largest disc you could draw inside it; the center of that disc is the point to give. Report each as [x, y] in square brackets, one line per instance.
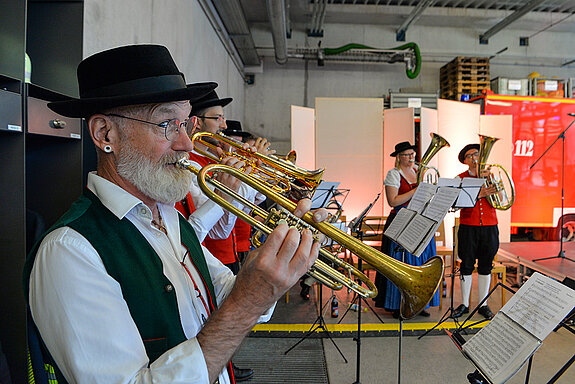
[198, 292]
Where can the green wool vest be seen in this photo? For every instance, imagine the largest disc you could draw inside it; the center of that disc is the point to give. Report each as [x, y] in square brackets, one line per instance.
[134, 264]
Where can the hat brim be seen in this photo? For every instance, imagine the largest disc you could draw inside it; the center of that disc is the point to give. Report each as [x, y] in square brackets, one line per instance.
[395, 153]
[236, 133]
[211, 103]
[462, 153]
[89, 106]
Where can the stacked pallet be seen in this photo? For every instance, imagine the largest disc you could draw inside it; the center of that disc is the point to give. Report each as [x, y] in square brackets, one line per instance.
[464, 76]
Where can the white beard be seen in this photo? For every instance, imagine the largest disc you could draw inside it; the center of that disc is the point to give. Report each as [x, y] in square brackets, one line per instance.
[159, 181]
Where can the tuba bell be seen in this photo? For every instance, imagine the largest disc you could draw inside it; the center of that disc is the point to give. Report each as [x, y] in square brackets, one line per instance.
[423, 170]
[500, 200]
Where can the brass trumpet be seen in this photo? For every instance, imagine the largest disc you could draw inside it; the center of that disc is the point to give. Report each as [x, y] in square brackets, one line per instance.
[437, 142]
[277, 172]
[501, 199]
[416, 284]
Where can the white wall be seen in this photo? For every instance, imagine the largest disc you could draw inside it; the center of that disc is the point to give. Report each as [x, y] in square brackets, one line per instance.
[181, 25]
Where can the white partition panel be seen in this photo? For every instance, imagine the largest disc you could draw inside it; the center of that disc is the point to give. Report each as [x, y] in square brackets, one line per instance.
[500, 126]
[397, 127]
[458, 123]
[428, 124]
[349, 138]
[303, 135]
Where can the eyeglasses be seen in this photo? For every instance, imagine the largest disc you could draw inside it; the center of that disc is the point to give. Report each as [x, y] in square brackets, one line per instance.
[407, 154]
[219, 118]
[474, 154]
[171, 127]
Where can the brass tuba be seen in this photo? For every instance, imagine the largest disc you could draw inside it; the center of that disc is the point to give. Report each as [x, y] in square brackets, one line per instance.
[437, 142]
[500, 200]
[416, 284]
[280, 173]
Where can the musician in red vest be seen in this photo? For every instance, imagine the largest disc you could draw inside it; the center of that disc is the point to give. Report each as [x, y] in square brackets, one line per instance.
[478, 237]
[219, 241]
[213, 225]
[242, 229]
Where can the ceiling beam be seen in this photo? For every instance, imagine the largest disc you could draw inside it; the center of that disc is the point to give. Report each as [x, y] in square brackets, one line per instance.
[413, 16]
[484, 38]
[232, 16]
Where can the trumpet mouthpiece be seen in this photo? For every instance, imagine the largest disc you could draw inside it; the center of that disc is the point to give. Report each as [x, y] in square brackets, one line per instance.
[183, 163]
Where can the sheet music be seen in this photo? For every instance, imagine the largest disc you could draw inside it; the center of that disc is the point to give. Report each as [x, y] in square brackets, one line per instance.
[446, 182]
[399, 222]
[441, 203]
[470, 187]
[540, 305]
[501, 348]
[323, 193]
[421, 197]
[416, 230]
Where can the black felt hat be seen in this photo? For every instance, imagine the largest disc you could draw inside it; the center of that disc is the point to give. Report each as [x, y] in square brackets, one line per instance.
[234, 128]
[210, 100]
[403, 146]
[129, 75]
[462, 153]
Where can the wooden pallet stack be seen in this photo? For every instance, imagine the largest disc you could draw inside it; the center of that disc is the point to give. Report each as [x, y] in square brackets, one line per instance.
[464, 76]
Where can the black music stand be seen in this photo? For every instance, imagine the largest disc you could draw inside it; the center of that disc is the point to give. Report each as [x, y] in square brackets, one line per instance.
[319, 200]
[561, 136]
[470, 200]
[477, 377]
[449, 312]
[355, 227]
[319, 323]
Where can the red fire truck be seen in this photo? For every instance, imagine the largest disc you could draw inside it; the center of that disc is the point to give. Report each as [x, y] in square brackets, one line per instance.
[537, 122]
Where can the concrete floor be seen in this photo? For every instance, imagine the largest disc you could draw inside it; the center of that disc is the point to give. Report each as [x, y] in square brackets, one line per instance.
[431, 359]
[435, 359]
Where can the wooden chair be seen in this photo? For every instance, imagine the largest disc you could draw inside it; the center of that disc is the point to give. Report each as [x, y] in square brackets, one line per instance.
[498, 268]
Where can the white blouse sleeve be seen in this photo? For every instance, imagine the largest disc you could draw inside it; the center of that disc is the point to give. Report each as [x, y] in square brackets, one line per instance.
[393, 178]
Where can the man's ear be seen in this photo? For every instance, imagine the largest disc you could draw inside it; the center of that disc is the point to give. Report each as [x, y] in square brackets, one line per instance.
[102, 132]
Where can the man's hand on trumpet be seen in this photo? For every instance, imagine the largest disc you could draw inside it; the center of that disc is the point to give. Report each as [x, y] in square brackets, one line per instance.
[227, 179]
[278, 264]
[262, 146]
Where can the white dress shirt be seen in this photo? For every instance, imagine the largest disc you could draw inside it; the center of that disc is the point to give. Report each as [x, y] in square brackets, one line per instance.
[83, 318]
[216, 222]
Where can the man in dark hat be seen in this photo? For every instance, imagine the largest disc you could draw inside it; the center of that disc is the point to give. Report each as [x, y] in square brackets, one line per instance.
[478, 237]
[119, 289]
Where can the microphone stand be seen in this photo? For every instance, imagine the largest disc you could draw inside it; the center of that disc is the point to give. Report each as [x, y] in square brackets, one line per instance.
[561, 136]
[355, 226]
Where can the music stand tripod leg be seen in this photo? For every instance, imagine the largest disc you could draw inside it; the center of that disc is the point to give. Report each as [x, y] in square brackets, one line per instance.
[449, 312]
[318, 323]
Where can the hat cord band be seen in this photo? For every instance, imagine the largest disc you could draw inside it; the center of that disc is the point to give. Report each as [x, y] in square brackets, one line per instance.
[154, 84]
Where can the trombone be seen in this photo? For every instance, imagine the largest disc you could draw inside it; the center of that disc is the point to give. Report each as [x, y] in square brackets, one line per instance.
[416, 284]
[280, 173]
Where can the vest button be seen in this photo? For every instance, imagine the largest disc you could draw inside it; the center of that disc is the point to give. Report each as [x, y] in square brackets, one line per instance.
[168, 288]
